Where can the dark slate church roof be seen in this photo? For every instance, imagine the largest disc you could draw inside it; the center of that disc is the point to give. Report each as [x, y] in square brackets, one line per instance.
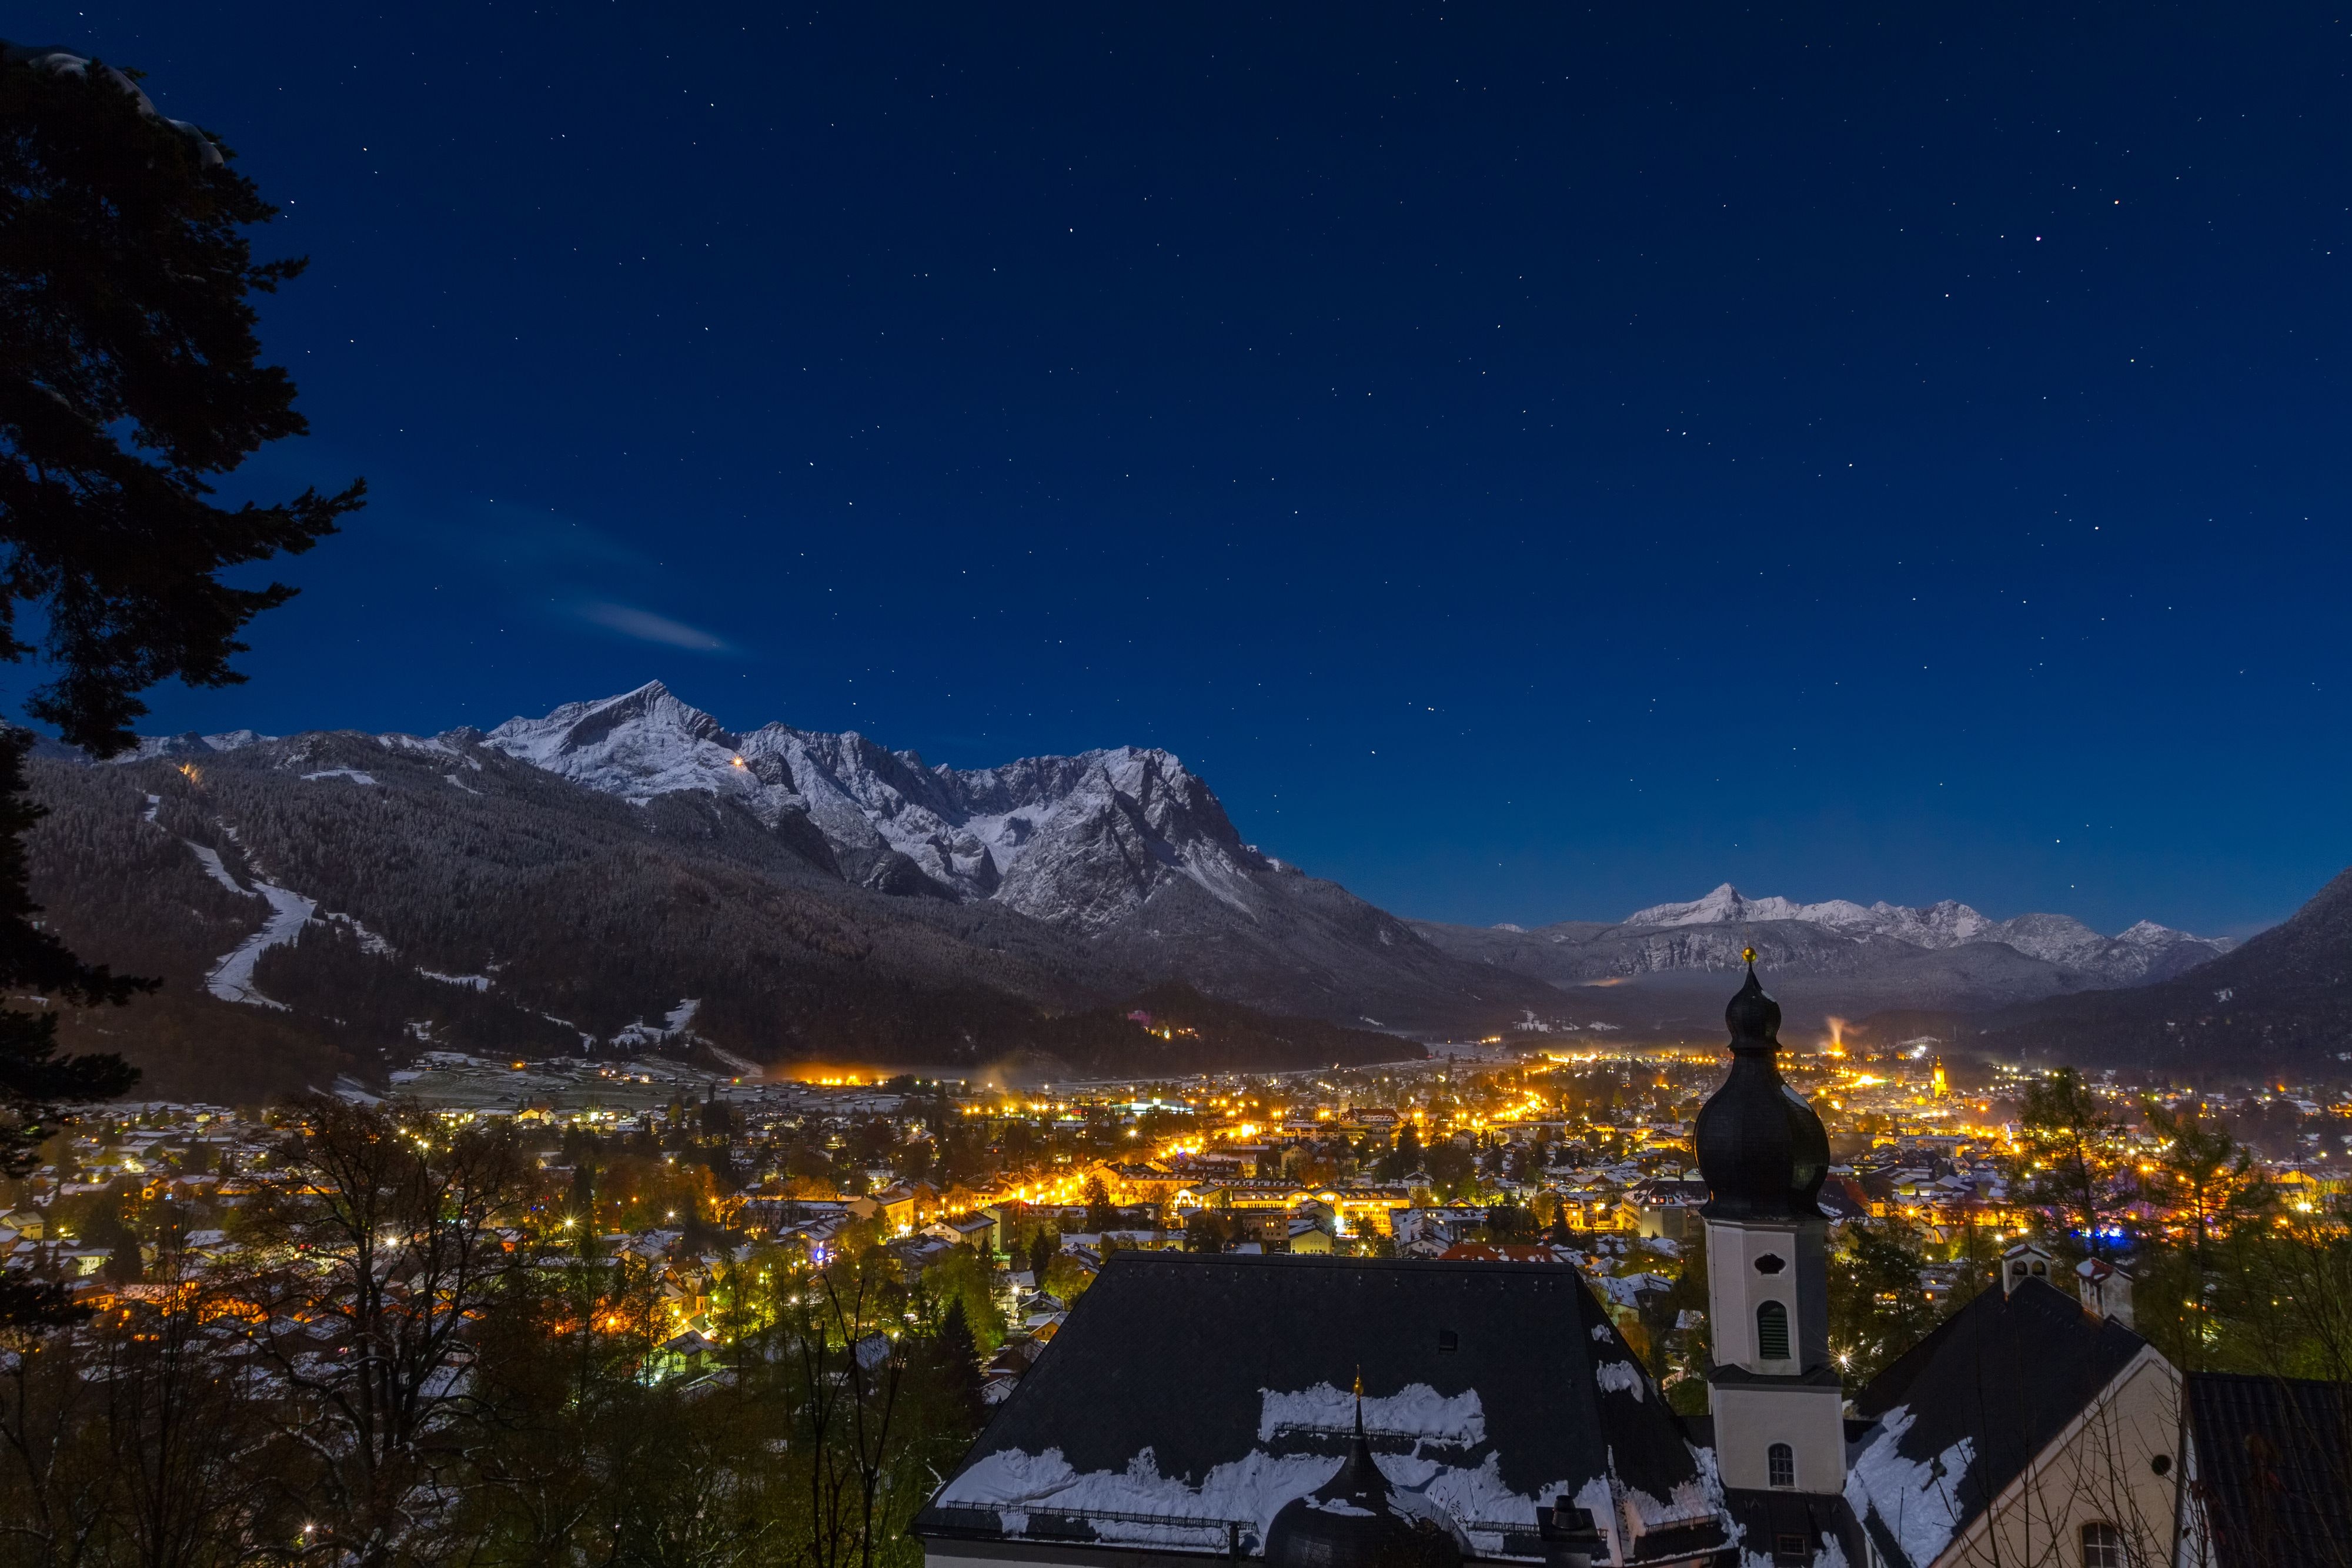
[1794, 1528]
[1187, 1399]
[1960, 1414]
[2273, 1467]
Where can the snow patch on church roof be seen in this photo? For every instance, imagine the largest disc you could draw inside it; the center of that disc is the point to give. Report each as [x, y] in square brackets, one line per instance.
[1917, 1499]
[1619, 1377]
[1415, 1411]
[1251, 1489]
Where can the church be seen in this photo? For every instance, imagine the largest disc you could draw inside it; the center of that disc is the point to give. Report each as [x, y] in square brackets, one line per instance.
[1317, 1412]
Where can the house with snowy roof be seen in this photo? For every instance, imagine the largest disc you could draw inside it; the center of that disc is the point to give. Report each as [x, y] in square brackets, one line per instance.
[1663, 1206]
[1341, 1412]
[1188, 1400]
[2023, 1429]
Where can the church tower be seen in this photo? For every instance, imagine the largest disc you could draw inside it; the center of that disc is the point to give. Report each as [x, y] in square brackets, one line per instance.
[1778, 1406]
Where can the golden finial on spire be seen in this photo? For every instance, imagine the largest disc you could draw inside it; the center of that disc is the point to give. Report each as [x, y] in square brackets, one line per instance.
[1359, 1383]
[1747, 954]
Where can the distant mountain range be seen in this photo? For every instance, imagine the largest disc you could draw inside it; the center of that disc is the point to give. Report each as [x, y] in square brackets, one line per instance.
[2144, 952]
[629, 873]
[1663, 971]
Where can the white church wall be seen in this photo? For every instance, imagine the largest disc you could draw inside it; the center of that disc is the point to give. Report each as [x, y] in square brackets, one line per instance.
[1811, 1420]
[2104, 1469]
[1736, 1287]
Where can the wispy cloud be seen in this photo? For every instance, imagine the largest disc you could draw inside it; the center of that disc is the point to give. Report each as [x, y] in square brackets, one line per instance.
[647, 627]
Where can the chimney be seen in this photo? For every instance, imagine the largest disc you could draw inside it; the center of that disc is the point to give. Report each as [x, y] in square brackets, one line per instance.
[2022, 1262]
[1571, 1539]
[2105, 1290]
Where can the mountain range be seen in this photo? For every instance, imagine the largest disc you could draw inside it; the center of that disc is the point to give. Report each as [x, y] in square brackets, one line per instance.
[1661, 970]
[2144, 952]
[629, 873]
[2282, 1001]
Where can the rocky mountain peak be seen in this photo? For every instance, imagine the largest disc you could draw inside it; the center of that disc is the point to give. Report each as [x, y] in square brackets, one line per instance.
[2145, 951]
[1077, 841]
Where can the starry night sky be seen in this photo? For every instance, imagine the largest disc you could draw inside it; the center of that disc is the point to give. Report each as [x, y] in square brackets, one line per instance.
[1533, 466]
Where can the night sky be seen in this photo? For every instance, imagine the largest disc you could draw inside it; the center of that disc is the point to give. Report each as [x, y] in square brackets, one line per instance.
[1533, 465]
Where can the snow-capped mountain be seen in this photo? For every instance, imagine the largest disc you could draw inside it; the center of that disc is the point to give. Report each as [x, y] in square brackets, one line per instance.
[584, 875]
[2146, 950]
[191, 743]
[1077, 841]
[1124, 850]
[1663, 968]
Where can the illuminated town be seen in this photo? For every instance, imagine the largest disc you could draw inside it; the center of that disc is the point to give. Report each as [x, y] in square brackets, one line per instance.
[1484, 1151]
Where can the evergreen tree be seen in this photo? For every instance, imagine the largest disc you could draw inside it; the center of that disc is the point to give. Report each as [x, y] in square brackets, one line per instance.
[129, 380]
[2067, 1130]
[1878, 1308]
[1043, 1248]
[108, 1226]
[1507, 1222]
[957, 1355]
[1205, 1232]
[1100, 1215]
[1403, 1158]
[34, 1078]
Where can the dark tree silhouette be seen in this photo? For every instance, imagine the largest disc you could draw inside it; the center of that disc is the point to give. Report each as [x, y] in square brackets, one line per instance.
[956, 1354]
[1101, 1214]
[1043, 1248]
[129, 380]
[34, 1078]
[129, 377]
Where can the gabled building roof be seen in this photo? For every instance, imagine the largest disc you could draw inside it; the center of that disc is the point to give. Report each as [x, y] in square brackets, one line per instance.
[2274, 1467]
[1189, 1397]
[1958, 1417]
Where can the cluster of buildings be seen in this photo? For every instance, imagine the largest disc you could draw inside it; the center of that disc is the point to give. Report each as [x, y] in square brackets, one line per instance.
[63, 1221]
[1322, 1413]
[1420, 1308]
[1585, 1149]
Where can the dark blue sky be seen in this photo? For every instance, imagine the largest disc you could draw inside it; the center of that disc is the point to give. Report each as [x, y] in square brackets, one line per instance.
[1534, 464]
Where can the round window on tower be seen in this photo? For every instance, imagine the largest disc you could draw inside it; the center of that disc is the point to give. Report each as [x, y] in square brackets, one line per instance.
[1770, 1264]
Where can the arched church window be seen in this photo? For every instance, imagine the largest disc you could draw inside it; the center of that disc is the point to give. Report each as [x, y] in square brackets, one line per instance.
[1780, 1467]
[2103, 1546]
[1771, 1332]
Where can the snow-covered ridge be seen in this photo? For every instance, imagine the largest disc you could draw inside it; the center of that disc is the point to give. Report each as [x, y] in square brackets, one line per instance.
[191, 743]
[1012, 834]
[2055, 938]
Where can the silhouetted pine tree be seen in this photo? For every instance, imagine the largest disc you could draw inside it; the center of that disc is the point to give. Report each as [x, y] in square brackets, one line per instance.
[957, 1353]
[129, 377]
[1043, 1248]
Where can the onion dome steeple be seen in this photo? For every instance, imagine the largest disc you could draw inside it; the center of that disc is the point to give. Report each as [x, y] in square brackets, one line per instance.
[1761, 1147]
